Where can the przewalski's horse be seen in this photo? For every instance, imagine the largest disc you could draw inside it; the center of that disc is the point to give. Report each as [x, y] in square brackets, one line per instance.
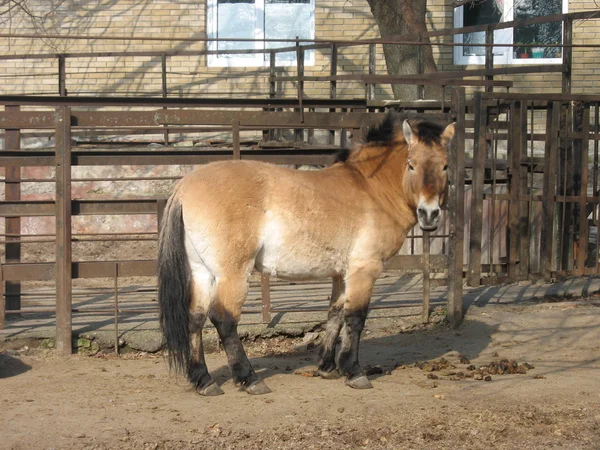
[226, 219]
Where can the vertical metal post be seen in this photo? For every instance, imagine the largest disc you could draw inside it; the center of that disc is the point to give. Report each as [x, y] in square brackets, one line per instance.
[12, 225]
[299, 132]
[479, 151]
[333, 85]
[269, 135]
[2, 302]
[489, 55]
[265, 297]
[372, 70]
[583, 215]
[116, 309]
[549, 189]
[523, 206]
[62, 76]
[165, 90]
[235, 131]
[426, 277]
[63, 231]
[456, 196]
[420, 66]
[567, 53]
[514, 164]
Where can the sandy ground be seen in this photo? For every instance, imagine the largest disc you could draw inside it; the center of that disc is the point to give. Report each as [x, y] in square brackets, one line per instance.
[102, 402]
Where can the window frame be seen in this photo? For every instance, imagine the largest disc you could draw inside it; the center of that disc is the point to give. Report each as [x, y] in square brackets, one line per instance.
[506, 57]
[259, 59]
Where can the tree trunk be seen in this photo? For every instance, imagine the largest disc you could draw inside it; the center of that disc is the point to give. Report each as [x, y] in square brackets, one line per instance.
[405, 17]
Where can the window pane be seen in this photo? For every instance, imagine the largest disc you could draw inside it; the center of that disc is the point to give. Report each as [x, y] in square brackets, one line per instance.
[236, 19]
[543, 33]
[286, 19]
[479, 13]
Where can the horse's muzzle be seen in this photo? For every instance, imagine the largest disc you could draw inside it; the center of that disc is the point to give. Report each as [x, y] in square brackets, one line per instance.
[429, 218]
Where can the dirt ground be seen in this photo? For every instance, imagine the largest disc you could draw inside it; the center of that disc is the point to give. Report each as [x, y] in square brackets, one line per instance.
[102, 402]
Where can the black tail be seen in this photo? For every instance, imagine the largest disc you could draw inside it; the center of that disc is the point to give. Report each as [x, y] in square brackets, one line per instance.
[174, 282]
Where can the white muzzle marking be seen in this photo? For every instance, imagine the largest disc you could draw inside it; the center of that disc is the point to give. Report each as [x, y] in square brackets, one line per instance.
[429, 213]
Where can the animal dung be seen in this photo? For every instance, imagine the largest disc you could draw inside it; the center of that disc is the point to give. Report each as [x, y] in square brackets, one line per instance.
[483, 372]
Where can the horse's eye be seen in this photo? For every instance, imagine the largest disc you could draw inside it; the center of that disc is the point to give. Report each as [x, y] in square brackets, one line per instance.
[445, 168]
[411, 168]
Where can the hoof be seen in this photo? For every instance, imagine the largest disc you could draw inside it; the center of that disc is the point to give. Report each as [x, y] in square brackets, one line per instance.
[257, 388]
[211, 390]
[360, 382]
[333, 375]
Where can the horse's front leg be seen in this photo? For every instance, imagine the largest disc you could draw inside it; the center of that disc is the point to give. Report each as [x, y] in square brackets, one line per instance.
[327, 368]
[359, 286]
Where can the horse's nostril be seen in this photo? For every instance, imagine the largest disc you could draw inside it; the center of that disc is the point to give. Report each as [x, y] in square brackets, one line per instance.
[435, 213]
[421, 212]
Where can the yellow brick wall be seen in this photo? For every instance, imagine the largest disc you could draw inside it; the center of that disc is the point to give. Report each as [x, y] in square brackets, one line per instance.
[334, 19]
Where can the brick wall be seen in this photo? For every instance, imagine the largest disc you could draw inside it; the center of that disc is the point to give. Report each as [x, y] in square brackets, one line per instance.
[334, 19]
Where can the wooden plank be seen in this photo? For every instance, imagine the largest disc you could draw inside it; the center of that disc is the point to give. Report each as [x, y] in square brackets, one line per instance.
[523, 206]
[426, 278]
[549, 189]
[479, 152]
[12, 225]
[63, 231]
[265, 290]
[513, 186]
[583, 221]
[456, 197]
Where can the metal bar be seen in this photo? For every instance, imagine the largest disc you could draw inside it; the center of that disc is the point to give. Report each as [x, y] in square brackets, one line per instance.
[595, 183]
[479, 150]
[489, 56]
[2, 302]
[12, 225]
[63, 231]
[420, 68]
[116, 310]
[456, 210]
[265, 297]
[62, 76]
[333, 85]
[523, 206]
[372, 70]
[583, 221]
[165, 89]
[426, 278]
[235, 131]
[567, 55]
[513, 186]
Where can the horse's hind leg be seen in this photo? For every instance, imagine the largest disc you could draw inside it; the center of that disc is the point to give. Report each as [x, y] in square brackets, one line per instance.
[359, 286]
[327, 368]
[197, 370]
[225, 315]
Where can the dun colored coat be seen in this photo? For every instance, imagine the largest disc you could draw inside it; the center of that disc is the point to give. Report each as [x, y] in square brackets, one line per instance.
[226, 219]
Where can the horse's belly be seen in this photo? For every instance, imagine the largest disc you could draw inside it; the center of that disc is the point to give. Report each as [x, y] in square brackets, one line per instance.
[294, 254]
[296, 265]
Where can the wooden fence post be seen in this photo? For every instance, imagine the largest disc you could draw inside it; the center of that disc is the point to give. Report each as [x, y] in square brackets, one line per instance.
[63, 231]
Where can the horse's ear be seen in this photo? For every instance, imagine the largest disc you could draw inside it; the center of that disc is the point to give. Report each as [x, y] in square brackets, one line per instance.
[408, 132]
[448, 133]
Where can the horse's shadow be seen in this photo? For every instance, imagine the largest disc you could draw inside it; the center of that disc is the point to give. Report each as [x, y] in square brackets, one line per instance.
[386, 352]
[11, 366]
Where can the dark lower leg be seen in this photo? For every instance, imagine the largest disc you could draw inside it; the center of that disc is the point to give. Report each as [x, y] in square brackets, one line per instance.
[332, 331]
[197, 370]
[241, 370]
[354, 322]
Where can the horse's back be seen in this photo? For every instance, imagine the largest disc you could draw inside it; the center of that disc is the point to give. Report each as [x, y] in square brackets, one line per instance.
[243, 214]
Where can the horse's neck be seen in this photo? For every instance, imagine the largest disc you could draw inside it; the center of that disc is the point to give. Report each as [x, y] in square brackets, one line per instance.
[383, 173]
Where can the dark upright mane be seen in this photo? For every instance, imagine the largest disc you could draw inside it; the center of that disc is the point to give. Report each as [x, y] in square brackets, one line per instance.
[430, 133]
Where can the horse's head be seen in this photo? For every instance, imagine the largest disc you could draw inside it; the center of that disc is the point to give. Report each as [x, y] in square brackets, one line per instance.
[426, 179]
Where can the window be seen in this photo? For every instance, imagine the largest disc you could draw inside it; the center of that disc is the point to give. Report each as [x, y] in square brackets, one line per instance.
[259, 19]
[483, 12]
